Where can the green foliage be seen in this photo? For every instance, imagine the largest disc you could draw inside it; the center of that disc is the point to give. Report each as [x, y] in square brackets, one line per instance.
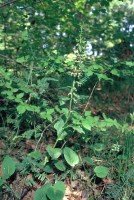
[101, 171]
[41, 192]
[52, 192]
[53, 67]
[8, 167]
[60, 166]
[71, 157]
[57, 191]
[54, 152]
[88, 160]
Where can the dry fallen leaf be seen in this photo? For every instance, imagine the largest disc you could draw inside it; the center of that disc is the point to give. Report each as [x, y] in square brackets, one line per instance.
[107, 181]
[30, 144]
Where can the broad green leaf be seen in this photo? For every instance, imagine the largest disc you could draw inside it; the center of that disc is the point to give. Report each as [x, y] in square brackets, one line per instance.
[49, 117]
[130, 64]
[35, 154]
[101, 171]
[91, 120]
[43, 115]
[122, 157]
[50, 111]
[60, 166]
[11, 97]
[40, 194]
[65, 111]
[115, 72]
[86, 125]
[62, 135]
[97, 67]
[57, 191]
[19, 96]
[76, 121]
[54, 152]
[28, 134]
[32, 108]
[24, 35]
[88, 160]
[8, 85]
[88, 113]
[8, 167]
[8, 92]
[89, 73]
[78, 129]
[14, 90]
[21, 109]
[71, 157]
[59, 126]
[21, 59]
[48, 169]
[98, 147]
[104, 77]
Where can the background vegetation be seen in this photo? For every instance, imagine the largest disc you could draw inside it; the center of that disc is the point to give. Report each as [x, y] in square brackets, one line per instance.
[66, 99]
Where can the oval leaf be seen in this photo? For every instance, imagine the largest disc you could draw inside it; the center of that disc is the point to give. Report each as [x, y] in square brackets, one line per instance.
[40, 194]
[21, 109]
[8, 167]
[71, 157]
[60, 166]
[88, 160]
[57, 191]
[86, 125]
[54, 152]
[101, 171]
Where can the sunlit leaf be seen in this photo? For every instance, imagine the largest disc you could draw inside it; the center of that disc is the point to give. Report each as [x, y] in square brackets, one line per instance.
[8, 167]
[71, 157]
[101, 171]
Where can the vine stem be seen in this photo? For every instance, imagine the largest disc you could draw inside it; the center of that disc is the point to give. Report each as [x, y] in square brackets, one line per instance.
[90, 97]
[71, 100]
[7, 3]
[56, 143]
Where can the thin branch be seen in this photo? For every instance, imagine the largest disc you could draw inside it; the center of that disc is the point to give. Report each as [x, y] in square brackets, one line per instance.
[8, 3]
[90, 97]
[44, 132]
[14, 61]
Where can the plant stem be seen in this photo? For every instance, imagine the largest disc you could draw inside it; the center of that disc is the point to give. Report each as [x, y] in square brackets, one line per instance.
[90, 97]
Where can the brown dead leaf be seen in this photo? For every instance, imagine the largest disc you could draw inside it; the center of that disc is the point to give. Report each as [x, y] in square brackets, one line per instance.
[85, 194]
[74, 184]
[50, 176]
[77, 194]
[1, 174]
[2, 144]
[30, 144]
[107, 181]
[68, 191]
[1, 152]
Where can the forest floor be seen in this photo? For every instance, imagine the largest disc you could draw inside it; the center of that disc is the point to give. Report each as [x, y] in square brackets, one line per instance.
[118, 106]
